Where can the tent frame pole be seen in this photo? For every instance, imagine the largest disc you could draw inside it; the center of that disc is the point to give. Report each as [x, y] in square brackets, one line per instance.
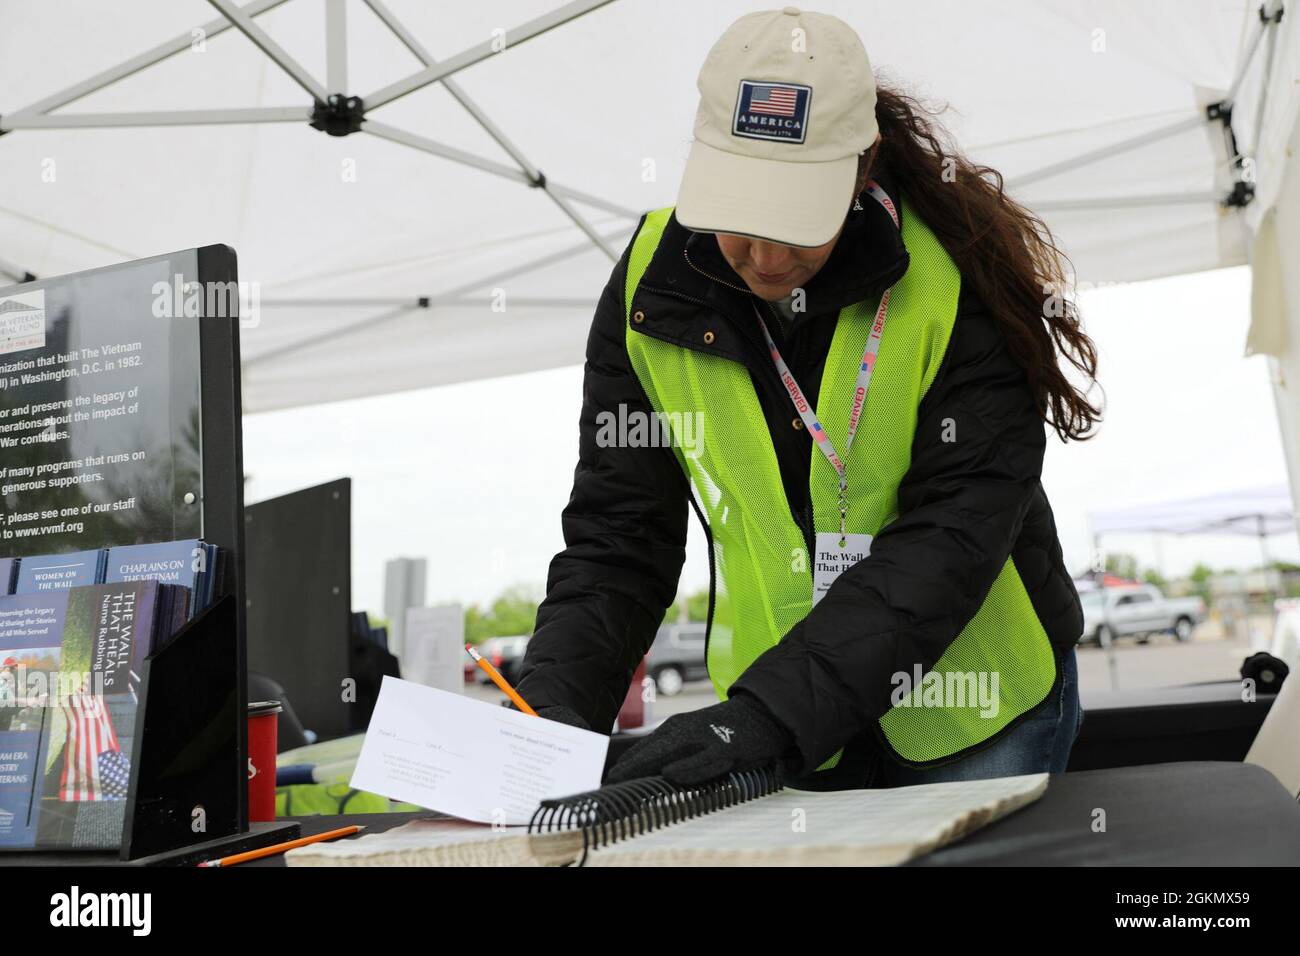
[1124, 202]
[257, 114]
[1267, 18]
[1270, 14]
[453, 296]
[17, 273]
[534, 176]
[336, 46]
[433, 147]
[415, 141]
[427, 301]
[163, 51]
[283, 350]
[333, 110]
[1266, 21]
[1105, 152]
[277, 54]
[486, 49]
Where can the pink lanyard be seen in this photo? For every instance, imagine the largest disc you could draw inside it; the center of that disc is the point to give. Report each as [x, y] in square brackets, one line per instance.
[802, 405]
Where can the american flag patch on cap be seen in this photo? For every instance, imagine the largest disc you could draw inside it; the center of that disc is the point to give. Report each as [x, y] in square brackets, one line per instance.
[776, 111]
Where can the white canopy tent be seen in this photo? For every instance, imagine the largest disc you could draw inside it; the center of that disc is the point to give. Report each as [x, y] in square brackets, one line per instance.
[1155, 138]
[1257, 512]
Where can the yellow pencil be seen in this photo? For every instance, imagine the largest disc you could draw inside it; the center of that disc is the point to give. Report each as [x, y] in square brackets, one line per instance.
[500, 681]
[281, 847]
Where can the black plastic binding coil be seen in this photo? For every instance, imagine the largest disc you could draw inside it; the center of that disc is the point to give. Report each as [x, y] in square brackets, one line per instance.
[621, 811]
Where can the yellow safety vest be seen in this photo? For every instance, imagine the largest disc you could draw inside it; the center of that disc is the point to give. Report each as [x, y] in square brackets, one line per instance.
[762, 591]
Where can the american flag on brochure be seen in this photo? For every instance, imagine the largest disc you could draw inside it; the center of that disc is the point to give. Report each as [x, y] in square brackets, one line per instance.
[94, 767]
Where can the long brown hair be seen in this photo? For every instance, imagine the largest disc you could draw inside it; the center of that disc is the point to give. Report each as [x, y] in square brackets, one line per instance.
[1002, 249]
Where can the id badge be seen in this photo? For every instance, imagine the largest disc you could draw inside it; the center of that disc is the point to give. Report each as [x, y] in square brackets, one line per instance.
[831, 560]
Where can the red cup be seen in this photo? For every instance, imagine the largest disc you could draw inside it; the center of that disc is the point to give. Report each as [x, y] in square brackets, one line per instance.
[263, 723]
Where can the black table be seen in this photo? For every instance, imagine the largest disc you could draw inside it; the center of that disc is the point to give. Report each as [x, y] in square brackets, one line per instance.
[1149, 725]
[1175, 814]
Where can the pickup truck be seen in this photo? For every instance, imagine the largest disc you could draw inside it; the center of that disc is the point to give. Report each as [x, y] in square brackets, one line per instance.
[1140, 611]
[677, 656]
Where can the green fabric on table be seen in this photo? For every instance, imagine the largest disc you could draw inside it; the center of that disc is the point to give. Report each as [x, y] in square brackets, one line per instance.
[332, 799]
[335, 795]
[326, 751]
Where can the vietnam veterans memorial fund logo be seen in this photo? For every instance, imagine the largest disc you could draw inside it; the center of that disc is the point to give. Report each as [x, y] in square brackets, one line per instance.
[22, 321]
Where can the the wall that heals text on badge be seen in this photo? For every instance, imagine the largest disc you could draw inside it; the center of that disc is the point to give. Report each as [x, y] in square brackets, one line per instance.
[99, 410]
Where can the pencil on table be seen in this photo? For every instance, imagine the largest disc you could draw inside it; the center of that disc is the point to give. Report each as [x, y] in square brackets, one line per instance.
[282, 847]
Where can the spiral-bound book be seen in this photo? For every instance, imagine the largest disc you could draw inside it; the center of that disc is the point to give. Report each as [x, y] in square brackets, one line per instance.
[746, 820]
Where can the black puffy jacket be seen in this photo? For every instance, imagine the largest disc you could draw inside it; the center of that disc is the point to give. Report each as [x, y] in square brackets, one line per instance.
[964, 505]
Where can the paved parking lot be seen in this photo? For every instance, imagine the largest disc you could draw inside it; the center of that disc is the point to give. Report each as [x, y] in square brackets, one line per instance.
[1163, 662]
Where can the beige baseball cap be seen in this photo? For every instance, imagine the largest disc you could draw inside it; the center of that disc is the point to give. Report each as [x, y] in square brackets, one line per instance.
[787, 102]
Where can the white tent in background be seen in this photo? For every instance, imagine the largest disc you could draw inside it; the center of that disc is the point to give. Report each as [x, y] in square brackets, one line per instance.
[1248, 511]
[1155, 138]
[1256, 512]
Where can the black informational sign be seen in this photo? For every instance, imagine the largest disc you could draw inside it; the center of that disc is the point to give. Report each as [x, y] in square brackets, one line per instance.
[120, 426]
[100, 436]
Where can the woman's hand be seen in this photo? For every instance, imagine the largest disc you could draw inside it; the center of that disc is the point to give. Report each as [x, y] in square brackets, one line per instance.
[564, 715]
[692, 748]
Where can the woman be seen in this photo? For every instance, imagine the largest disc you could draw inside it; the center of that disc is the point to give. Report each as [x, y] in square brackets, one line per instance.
[846, 343]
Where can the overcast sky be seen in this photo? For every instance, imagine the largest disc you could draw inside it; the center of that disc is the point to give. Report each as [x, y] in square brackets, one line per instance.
[473, 477]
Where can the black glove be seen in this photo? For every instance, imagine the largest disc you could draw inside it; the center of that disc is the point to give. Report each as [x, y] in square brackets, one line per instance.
[556, 712]
[692, 748]
[562, 714]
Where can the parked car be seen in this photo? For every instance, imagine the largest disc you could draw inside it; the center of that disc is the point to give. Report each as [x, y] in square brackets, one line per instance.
[506, 654]
[1138, 611]
[677, 656]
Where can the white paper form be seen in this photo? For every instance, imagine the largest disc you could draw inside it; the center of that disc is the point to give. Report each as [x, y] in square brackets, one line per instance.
[471, 759]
